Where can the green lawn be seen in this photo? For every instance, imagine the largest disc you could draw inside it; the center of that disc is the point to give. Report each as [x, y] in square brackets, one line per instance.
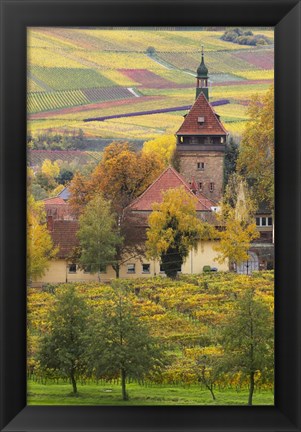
[110, 394]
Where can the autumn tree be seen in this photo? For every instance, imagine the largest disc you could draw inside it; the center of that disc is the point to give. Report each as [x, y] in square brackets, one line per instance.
[174, 229]
[81, 192]
[162, 147]
[121, 344]
[257, 149]
[40, 249]
[248, 341]
[63, 348]
[98, 235]
[123, 174]
[236, 218]
[50, 169]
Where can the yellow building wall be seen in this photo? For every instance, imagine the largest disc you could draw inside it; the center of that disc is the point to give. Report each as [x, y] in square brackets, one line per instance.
[204, 255]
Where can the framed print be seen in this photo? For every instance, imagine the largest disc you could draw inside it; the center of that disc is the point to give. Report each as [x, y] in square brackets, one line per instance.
[150, 170]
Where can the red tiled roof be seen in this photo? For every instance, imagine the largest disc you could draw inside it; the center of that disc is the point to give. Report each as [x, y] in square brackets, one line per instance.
[55, 200]
[63, 235]
[211, 125]
[169, 179]
[57, 208]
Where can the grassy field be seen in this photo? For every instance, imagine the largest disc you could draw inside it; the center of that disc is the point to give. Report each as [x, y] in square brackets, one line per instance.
[75, 68]
[110, 394]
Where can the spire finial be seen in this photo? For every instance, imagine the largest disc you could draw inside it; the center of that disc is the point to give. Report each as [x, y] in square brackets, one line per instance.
[202, 51]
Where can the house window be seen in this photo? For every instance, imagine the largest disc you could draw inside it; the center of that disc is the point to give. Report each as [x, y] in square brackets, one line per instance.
[131, 268]
[200, 186]
[201, 166]
[72, 268]
[87, 269]
[145, 268]
[211, 187]
[264, 221]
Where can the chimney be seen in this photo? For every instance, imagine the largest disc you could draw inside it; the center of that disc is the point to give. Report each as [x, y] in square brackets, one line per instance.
[50, 223]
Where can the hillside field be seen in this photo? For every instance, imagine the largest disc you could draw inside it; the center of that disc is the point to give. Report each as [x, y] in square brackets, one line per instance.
[187, 316]
[75, 74]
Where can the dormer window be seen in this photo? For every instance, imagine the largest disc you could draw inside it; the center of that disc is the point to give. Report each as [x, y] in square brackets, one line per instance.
[201, 120]
[201, 166]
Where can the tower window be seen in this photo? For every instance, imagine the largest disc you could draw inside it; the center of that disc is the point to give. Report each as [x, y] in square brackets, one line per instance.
[201, 166]
[200, 186]
[211, 187]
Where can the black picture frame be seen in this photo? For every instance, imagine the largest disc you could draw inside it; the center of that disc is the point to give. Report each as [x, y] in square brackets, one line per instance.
[16, 16]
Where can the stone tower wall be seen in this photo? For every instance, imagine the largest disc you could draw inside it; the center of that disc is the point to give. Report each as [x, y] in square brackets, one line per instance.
[213, 171]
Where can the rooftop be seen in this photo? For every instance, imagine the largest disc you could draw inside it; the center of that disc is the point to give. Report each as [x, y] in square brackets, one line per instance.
[210, 125]
[169, 179]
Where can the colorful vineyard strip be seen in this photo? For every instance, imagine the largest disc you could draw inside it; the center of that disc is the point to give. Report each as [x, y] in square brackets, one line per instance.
[42, 101]
[64, 78]
[149, 79]
[157, 111]
[263, 59]
[106, 94]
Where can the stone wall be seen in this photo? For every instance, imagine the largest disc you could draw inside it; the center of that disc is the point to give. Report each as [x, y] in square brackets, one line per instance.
[213, 171]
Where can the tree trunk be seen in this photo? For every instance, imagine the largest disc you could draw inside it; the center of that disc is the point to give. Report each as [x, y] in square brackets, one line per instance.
[212, 394]
[123, 385]
[73, 383]
[251, 391]
[116, 268]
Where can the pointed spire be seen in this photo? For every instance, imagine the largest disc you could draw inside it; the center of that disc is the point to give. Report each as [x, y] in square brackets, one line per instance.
[202, 71]
[202, 78]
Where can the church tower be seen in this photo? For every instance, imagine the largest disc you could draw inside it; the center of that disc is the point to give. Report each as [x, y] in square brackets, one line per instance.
[201, 142]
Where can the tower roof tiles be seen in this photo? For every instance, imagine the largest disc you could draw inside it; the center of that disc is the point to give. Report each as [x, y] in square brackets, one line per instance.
[211, 125]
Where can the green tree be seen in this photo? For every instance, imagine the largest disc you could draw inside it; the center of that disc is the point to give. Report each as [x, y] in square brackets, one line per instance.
[121, 344]
[248, 340]
[174, 230]
[231, 155]
[63, 347]
[98, 235]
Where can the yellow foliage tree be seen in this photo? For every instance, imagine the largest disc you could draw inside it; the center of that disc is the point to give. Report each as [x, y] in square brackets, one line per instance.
[236, 217]
[39, 244]
[163, 146]
[174, 229]
[50, 169]
[257, 148]
[123, 174]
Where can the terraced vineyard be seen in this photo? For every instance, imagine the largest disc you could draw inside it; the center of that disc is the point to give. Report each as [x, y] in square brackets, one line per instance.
[74, 74]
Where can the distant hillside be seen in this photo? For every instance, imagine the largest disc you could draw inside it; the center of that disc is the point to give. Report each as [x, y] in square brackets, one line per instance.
[78, 73]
